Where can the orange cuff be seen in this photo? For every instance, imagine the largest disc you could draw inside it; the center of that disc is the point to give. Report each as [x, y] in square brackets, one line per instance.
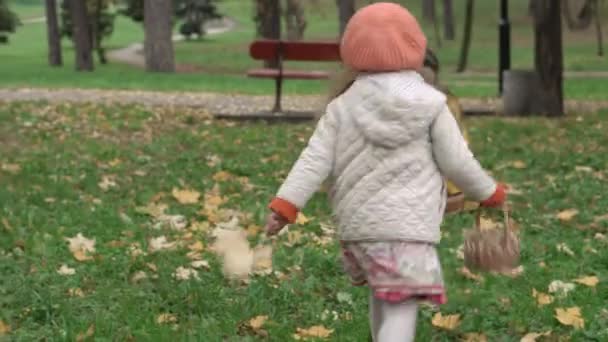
[285, 209]
[498, 198]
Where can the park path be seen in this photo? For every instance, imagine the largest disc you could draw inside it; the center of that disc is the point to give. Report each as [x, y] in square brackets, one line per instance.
[228, 105]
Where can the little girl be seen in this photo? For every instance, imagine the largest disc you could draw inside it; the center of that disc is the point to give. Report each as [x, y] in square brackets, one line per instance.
[386, 143]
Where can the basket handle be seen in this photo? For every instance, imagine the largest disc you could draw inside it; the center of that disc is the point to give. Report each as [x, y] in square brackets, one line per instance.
[507, 221]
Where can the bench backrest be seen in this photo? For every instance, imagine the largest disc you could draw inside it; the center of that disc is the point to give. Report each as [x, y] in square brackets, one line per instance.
[295, 51]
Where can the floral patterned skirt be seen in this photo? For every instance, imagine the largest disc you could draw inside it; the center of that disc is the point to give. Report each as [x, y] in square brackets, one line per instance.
[396, 271]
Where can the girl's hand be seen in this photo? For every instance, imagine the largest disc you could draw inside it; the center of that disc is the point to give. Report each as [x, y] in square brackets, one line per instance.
[497, 199]
[274, 224]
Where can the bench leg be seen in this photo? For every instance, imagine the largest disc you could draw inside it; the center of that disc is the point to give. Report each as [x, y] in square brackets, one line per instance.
[277, 97]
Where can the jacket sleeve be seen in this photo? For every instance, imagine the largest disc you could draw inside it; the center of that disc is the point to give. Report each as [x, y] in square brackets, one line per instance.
[309, 172]
[456, 161]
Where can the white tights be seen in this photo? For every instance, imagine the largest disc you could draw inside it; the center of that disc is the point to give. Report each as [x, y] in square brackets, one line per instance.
[392, 322]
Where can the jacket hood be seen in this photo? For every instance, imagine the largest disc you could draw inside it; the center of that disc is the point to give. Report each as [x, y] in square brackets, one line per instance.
[392, 109]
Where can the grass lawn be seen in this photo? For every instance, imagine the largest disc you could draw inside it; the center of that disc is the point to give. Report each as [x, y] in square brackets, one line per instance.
[87, 169]
[223, 60]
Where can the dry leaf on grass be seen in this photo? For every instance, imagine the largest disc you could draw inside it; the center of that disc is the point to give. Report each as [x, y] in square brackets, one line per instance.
[166, 318]
[106, 183]
[590, 281]
[222, 176]
[563, 247]
[465, 272]
[138, 276]
[317, 331]
[533, 336]
[600, 237]
[257, 323]
[184, 273]
[449, 322]
[160, 243]
[302, 219]
[197, 246]
[581, 168]
[173, 222]
[518, 164]
[76, 292]
[66, 270]
[200, 264]
[262, 260]
[80, 247]
[542, 298]
[153, 209]
[567, 215]
[561, 288]
[87, 334]
[4, 328]
[11, 168]
[186, 196]
[570, 316]
[474, 337]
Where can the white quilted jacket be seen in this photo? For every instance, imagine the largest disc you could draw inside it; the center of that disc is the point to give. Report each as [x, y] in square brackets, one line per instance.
[386, 145]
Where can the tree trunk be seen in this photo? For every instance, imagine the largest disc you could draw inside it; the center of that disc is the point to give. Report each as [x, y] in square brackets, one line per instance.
[81, 35]
[295, 20]
[448, 20]
[268, 19]
[466, 37]
[428, 10]
[346, 9]
[158, 42]
[52, 31]
[598, 29]
[548, 56]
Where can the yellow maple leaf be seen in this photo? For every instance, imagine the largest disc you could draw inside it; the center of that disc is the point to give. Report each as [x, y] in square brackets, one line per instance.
[567, 215]
[448, 322]
[474, 337]
[4, 328]
[197, 246]
[186, 196]
[80, 246]
[570, 316]
[257, 323]
[317, 331]
[542, 298]
[519, 164]
[531, 337]
[465, 272]
[590, 281]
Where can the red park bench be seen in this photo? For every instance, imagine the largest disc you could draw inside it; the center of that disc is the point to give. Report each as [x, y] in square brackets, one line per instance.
[279, 51]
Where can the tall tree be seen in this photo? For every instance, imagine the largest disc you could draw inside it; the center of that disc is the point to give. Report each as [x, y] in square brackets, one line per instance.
[466, 36]
[346, 9]
[52, 32]
[268, 22]
[82, 35]
[295, 19]
[428, 9]
[548, 56]
[158, 41]
[598, 29]
[448, 20]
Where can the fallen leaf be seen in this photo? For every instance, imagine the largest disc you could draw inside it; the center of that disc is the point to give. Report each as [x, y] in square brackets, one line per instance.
[600, 236]
[542, 298]
[140, 173]
[87, 334]
[138, 276]
[563, 247]
[570, 316]
[80, 247]
[488, 224]
[153, 209]
[317, 331]
[222, 176]
[4, 328]
[183, 273]
[65, 270]
[152, 267]
[514, 272]
[561, 288]
[519, 164]
[11, 168]
[474, 337]
[257, 323]
[200, 264]
[8, 226]
[531, 337]
[600, 218]
[567, 215]
[106, 183]
[542, 264]
[583, 168]
[160, 243]
[197, 246]
[460, 252]
[173, 222]
[464, 271]
[590, 281]
[302, 219]
[449, 322]
[186, 196]
[75, 292]
[166, 318]
[345, 297]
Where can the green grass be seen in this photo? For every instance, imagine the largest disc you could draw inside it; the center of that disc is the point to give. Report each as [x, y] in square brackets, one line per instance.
[64, 152]
[222, 61]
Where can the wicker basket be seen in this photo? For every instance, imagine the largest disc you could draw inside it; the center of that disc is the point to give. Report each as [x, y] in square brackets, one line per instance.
[492, 250]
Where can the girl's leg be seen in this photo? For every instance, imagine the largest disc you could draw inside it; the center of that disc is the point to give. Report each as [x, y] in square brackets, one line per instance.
[398, 323]
[375, 315]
